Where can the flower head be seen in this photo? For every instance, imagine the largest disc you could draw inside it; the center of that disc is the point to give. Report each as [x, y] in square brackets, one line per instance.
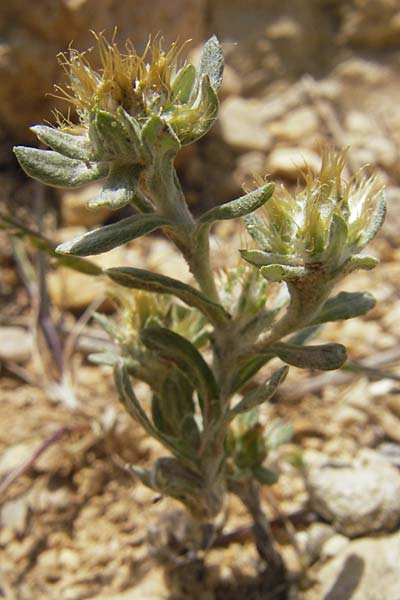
[134, 113]
[321, 227]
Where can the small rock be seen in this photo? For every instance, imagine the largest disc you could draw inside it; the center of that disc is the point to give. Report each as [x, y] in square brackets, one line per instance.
[317, 535]
[333, 546]
[71, 290]
[348, 415]
[288, 162]
[297, 125]
[356, 499]
[74, 210]
[15, 344]
[358, 70]
[367, 569]
[15, 456]
[14, 514]
[242, 124]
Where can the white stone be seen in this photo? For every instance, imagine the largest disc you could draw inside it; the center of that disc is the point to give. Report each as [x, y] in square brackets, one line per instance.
[290, 161]
[367, 569]
[15, 344]
[356, 499]
[333, 546]
[242, 124]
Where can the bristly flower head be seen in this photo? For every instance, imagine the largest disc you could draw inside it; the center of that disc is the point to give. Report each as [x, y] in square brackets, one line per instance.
[321, 227]
[139, 84]
[133, 111]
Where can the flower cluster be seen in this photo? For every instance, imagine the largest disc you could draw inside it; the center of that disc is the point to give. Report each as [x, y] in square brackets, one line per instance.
[322, 227]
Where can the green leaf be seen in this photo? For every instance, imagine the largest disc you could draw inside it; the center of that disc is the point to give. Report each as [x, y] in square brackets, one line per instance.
[191, 122]
[54, 169]
[212, 62]
[278, 273]
[261, 394]
[41, 243]
[113, 138]
[278, 434]
[250, 368]
[183, 83]
[118, 191]
[159, 139]
[133, 130]
[255, 228]
[110, 236]
[337, 240]
[104, 358]
[131, 403]
[360, 261]
[264, 476]
[345, 305]
[67, 144]
[239, 207]
[177, 350]
[325, 357]
[160, 284]
[260, 258]
[375, 222]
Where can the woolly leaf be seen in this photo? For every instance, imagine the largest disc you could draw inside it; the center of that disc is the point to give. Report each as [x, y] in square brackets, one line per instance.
[15, 228]
[281, 272]
[182, 86]
[110, 236]
[345, 305]
[264, 476]
[325, 357]
[67, 144]
[212, 62]
[52, 168]
[132, 404]
[260, 258]
[261, 394]
[160, 284]
[118, 191]
[239, 207]
[177, 350]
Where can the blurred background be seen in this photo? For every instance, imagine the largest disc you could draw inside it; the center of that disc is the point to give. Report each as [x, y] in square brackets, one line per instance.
[298, 75]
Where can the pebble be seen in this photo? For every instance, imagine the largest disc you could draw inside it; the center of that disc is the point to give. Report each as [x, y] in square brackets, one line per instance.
[333, 546]
[366, 569]
[242, 125]
[15, 344]
[356, 499]
[289, 161]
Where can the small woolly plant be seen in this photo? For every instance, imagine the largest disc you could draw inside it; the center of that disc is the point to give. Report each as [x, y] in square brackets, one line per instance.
[199, 347]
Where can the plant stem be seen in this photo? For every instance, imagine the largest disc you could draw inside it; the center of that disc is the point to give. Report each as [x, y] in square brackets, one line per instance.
[249, 494]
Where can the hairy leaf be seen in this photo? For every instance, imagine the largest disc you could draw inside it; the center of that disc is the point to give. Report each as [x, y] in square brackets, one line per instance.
[110, 236]
[179, 351]
[325, 357]
[18, 229]
[239, 207]
[54, 169]
[132, 404]
[345, 305]
[262, 393]
[160, 284]
[67, 144]
[182, 86]
[212, 62]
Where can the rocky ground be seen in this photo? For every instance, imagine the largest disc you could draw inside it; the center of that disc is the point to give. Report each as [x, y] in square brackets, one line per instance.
[74, 523]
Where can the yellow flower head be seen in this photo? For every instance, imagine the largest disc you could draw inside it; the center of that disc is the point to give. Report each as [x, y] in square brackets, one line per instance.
[128, 79]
